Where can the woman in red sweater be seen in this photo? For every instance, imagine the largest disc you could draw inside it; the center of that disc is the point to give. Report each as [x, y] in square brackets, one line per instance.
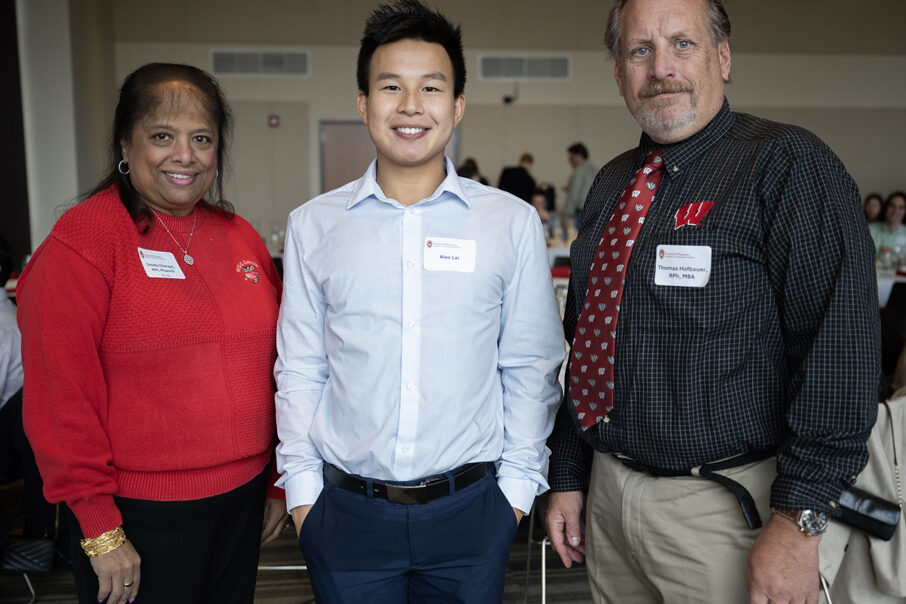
[148, 322]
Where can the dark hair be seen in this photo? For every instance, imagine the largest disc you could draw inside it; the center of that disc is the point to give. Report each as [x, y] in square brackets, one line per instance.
[718, 23]
[6, 262]
[887, 204]
[578, 149]
[468, 168]
[142, 91]
[879, 199]
[410, 20]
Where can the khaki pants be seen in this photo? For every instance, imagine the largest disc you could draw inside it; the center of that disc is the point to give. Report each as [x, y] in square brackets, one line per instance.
[670, 540]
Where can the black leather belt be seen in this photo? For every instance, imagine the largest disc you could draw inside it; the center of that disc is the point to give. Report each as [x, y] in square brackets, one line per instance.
[707, 470]
[428, 490]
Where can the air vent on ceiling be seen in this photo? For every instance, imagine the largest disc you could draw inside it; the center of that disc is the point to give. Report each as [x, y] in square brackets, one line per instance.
[295, 63]
[523, 67]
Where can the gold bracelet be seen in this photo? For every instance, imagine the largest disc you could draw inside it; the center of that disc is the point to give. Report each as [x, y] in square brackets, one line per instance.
[105, 543]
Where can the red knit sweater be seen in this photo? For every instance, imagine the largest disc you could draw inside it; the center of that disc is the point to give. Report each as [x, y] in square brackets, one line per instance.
[147, 388]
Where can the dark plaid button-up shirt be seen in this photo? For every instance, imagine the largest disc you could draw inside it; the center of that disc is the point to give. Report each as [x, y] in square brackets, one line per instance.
[780, 350]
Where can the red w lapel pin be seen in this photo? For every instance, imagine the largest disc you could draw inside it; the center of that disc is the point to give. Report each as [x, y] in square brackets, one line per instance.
[692, 214]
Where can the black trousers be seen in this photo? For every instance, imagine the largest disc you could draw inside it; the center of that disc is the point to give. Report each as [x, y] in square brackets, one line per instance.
[205, 550]
[18, 459]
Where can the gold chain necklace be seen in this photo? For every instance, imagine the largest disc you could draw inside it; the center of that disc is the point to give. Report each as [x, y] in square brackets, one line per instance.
[185, 252]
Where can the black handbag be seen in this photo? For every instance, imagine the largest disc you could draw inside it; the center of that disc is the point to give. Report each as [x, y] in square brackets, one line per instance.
[869, 513]
[873, 515]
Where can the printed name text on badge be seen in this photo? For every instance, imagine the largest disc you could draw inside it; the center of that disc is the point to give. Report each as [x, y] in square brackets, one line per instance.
[445, 254]
[160, 265]
[682, 265]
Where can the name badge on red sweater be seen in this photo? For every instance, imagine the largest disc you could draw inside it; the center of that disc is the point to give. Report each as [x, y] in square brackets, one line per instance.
[160, 265]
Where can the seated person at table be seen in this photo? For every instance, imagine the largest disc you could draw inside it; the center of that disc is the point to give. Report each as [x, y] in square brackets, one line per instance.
[889, 235]
[871, 207]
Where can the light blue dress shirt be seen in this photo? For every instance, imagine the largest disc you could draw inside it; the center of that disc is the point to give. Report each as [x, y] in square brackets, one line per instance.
[393, 371]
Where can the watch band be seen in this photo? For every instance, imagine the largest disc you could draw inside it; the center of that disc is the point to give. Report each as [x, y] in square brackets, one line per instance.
[787, 516]
[810, 523]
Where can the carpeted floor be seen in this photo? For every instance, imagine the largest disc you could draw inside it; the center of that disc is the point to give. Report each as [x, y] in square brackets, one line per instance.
[277, 586]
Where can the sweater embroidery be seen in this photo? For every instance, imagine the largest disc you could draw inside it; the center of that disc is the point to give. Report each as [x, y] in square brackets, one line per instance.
[250, 269]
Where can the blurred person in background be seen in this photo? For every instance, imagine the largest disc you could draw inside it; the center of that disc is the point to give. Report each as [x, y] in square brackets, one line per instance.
[889, 234]
[518, 180]
[580, 180]
[872, 207]
[469, 169]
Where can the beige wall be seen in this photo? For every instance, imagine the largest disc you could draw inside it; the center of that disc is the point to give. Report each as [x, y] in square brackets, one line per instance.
[834, 66]
[771, 26]
[48, 110]
[269, 165]
[549, 116]
[94, 85]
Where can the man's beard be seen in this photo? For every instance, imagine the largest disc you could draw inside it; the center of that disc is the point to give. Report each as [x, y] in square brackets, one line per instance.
[651, 113]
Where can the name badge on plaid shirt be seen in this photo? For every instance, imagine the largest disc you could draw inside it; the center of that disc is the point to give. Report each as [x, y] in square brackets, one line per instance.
[683, 265]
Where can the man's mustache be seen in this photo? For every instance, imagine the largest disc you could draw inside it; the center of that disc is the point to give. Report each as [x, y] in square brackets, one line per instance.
[662, 87]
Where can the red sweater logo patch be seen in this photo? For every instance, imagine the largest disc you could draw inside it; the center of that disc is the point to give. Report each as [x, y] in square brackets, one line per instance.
[692, 214]
[249, 269]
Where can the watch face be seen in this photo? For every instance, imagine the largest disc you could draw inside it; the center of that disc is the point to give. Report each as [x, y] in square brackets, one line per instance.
[812, 523]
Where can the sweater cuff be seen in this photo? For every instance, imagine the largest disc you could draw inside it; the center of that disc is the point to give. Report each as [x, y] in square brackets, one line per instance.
[96, 516]
[273, 491]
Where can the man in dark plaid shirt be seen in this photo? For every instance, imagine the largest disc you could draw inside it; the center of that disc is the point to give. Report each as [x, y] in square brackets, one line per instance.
[774, 360]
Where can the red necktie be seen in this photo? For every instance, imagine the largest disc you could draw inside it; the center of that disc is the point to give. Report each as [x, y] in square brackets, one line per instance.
[591, 361]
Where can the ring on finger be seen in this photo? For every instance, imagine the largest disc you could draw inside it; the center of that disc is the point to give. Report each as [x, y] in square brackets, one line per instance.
[129, 584]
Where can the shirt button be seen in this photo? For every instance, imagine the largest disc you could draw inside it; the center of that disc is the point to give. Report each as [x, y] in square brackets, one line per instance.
[410, 386]
[409, 263]
[405, 450]
[411, 324]
[410, 211]
[606, 419]
[833, 504]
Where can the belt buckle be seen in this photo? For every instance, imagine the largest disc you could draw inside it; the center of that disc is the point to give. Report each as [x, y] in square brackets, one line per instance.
[407, 495]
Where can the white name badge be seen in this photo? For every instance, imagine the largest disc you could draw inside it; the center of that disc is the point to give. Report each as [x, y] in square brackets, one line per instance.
[683, 265]
[444, 254]
[160, 265]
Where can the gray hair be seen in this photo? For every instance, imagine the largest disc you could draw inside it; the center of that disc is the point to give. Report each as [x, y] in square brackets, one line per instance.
[718, 22]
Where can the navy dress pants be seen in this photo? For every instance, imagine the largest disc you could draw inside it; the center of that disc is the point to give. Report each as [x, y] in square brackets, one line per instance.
[361, 550]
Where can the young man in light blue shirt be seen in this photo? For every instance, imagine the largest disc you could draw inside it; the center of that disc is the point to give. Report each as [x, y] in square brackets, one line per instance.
[419, 347]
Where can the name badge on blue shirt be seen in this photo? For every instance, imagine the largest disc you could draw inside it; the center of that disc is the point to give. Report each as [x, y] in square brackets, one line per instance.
[445, 254]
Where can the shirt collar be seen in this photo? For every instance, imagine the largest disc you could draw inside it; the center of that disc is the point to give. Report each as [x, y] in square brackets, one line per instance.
[678, 156]
[367, 187]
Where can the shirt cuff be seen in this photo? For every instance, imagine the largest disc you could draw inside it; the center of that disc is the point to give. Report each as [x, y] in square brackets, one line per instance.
[97, 515]
[303, 489]
[520, 493]
[790, 494]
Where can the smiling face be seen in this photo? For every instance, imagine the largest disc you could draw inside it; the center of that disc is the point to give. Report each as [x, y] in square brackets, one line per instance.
[410, 110]
[670, 73]
[172, 152]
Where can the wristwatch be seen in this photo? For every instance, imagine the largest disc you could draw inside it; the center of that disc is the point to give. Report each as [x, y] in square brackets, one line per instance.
[810, 522]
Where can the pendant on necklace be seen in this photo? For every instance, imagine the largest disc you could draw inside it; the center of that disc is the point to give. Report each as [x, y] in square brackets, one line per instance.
[188, 259]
